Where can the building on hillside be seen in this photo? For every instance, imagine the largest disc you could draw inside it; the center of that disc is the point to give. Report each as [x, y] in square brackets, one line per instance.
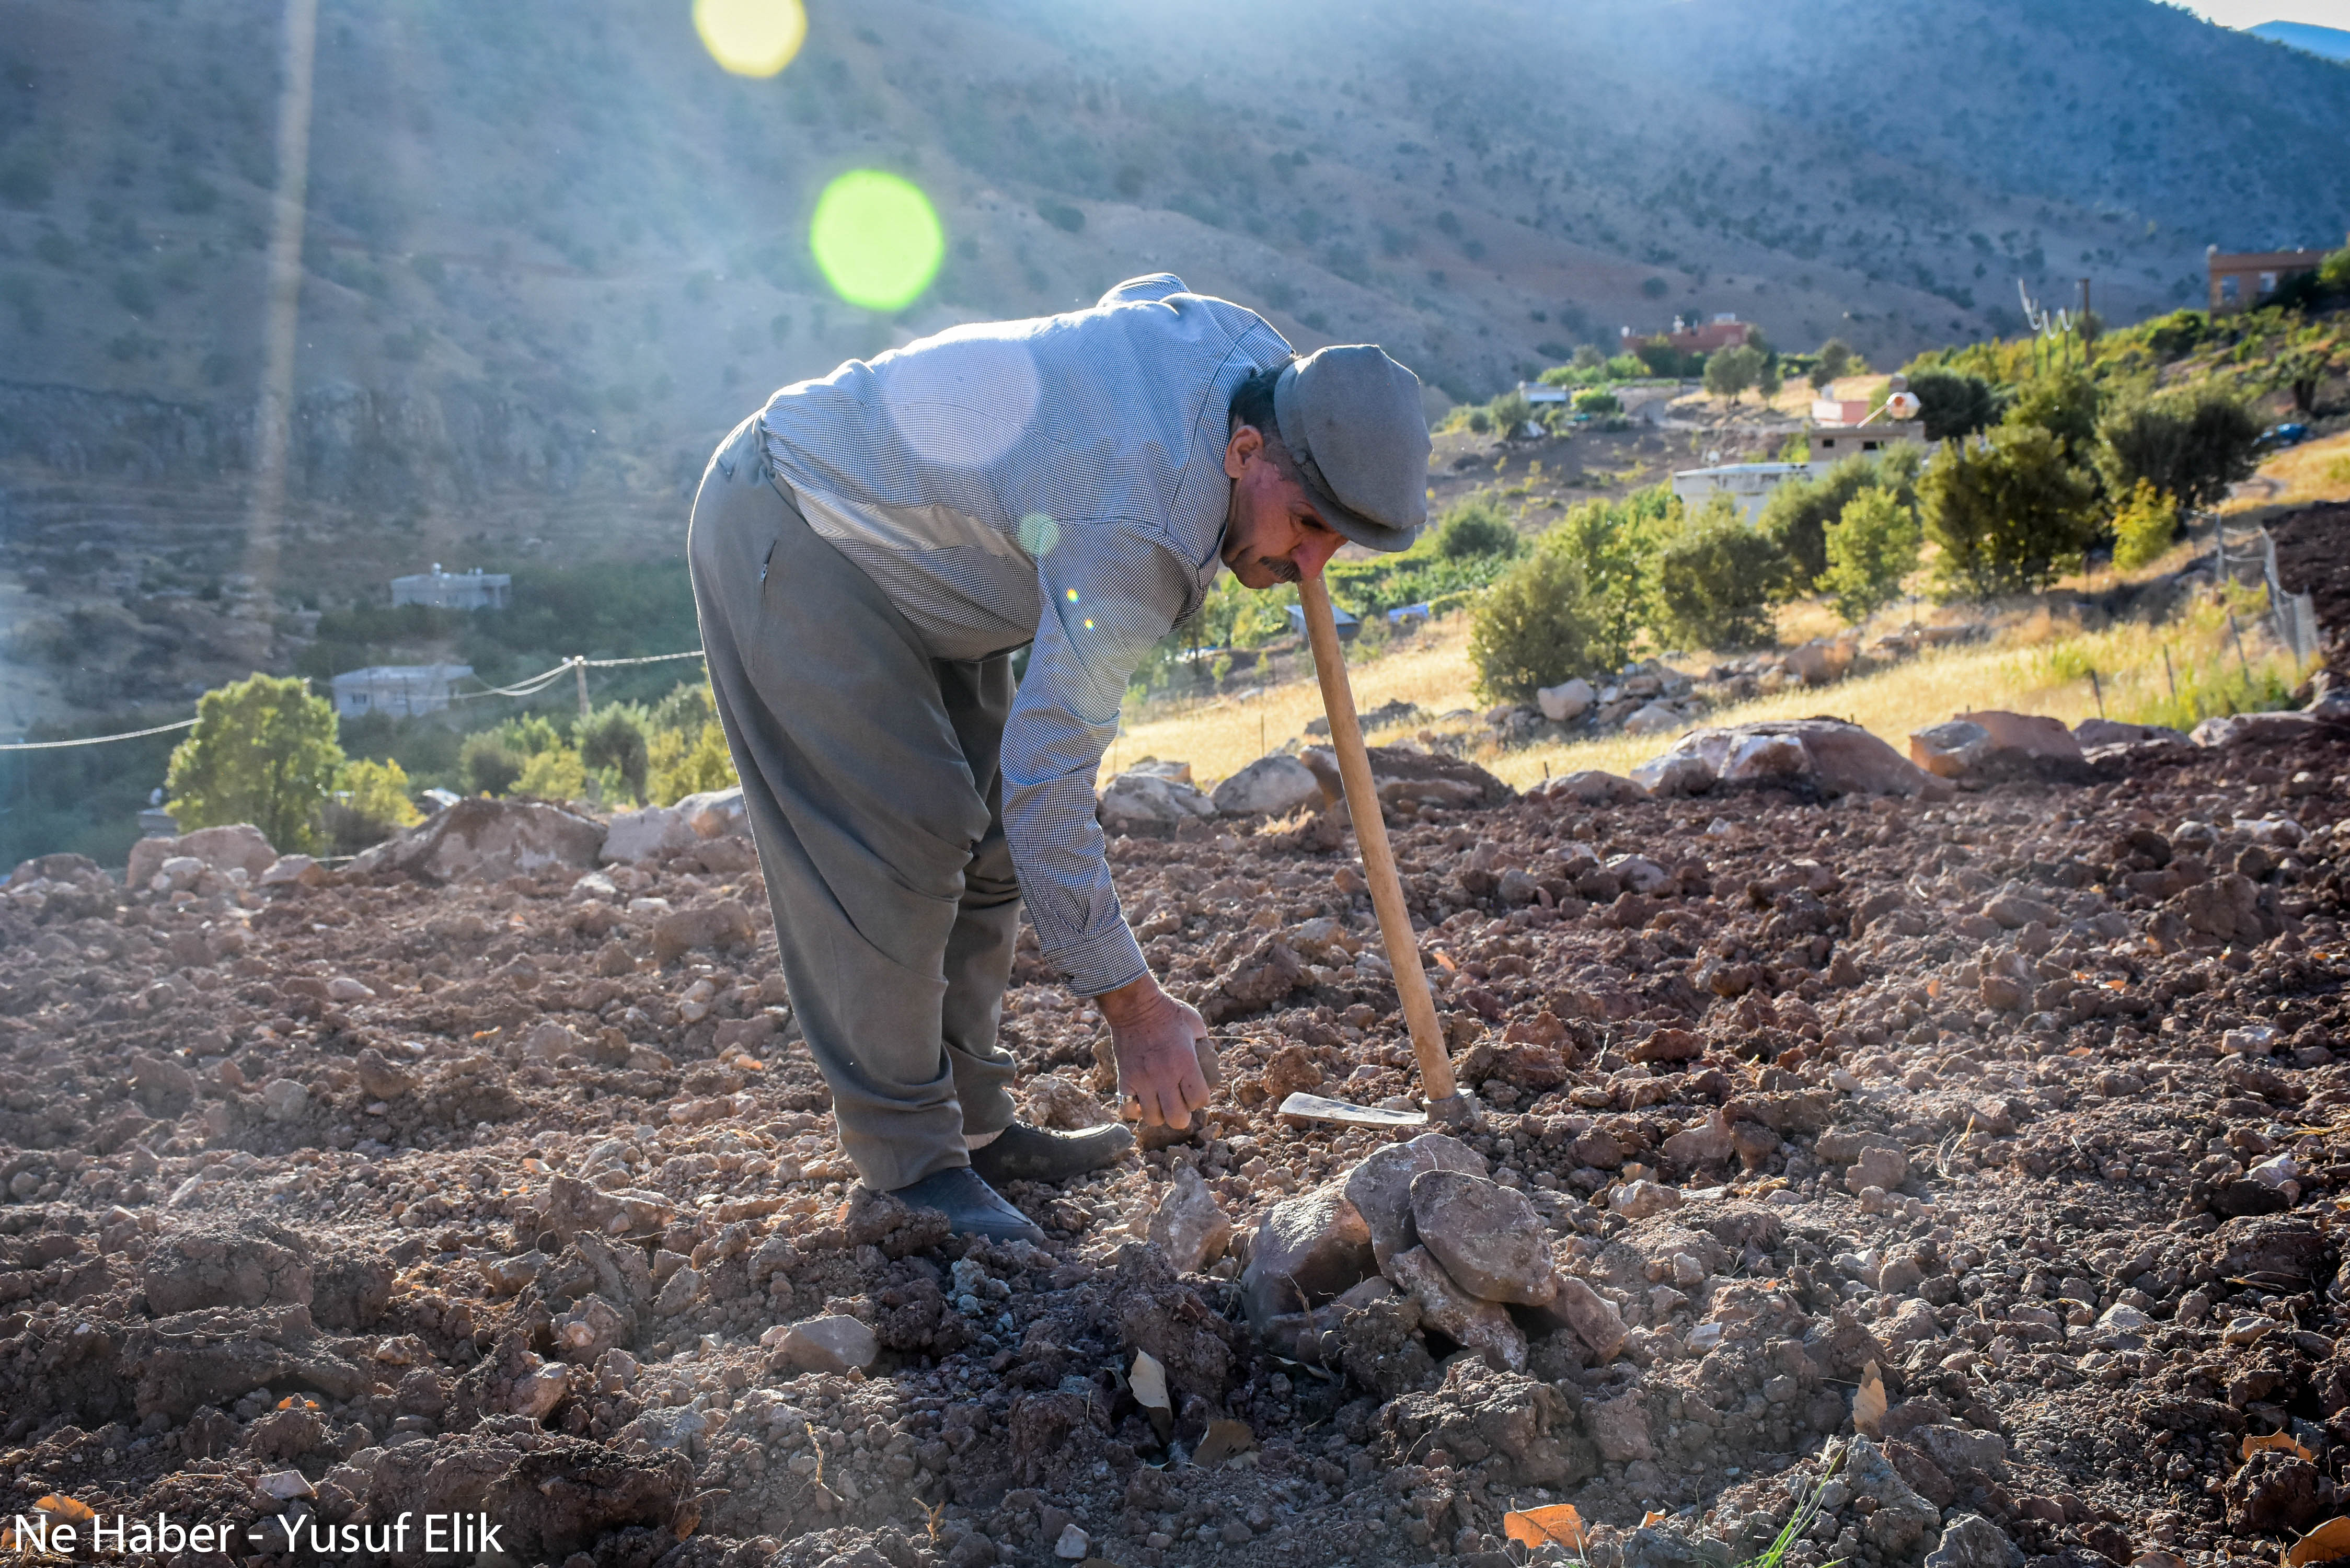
[401, 689]
[1831, 443]
[1748, 484]
[1724, 331]
[2242, 279]
[472, 591]
[1540, 393]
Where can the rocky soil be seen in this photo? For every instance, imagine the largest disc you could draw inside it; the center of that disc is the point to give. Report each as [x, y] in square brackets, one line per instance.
[330, 1196]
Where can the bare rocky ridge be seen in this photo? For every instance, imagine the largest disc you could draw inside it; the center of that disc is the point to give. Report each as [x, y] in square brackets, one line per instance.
[330, 1195]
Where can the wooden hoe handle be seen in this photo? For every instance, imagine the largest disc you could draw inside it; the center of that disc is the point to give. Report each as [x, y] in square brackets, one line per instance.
[1371, 837]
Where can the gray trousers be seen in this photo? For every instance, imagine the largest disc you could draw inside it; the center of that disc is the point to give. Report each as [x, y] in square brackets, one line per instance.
[869, 775]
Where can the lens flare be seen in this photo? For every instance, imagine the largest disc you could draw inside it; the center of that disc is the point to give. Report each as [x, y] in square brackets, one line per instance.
[877, 239]
[751, 37]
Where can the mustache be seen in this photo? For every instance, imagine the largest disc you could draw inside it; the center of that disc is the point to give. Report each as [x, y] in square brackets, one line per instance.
[1283, 571]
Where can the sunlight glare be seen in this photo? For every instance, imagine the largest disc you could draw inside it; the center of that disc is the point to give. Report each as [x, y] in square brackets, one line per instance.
[877, 239]
[751, 37]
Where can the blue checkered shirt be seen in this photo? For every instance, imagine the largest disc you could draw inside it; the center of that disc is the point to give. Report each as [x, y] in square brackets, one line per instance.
[1059, 482]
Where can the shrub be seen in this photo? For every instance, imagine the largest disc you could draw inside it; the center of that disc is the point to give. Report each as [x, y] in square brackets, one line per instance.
[2191, 445]
[2011, 515]
[1475, 527]
[2144, 527]
[1797, 515]
[1655, 288]
[487, 765]
[1534, 628]
[1835, 360]
[2064, 403]
[1611, 543]
[1587, 357]
[679, 768]
[613, 737]
[1731, 371]
[1871, 547]
[1716, 579]
[1627, 367]
[555, 774]
[1954, 405]
[1511, 412]
[263, 750]
[1597, 401]
[1480, 421]
[369, 804]
[2334, 271]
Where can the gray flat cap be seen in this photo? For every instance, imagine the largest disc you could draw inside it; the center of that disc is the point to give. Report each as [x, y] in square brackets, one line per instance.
[1352, 419]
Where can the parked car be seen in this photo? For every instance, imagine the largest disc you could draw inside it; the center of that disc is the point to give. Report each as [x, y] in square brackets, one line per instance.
[2284, 435]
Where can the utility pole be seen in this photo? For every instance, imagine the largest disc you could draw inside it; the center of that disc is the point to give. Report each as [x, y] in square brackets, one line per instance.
[579, 669]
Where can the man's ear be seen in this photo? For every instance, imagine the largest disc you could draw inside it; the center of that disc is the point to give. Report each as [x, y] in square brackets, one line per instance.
[1246, 442]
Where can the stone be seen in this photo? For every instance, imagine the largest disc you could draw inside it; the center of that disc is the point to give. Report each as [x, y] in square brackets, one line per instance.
[716, 814]
[283, 1100]
[1269, 787]
[1575, 1308]
[1654, 719]
[1379, 1188]
[1567, 700]
[656, 833]
[572, 1205]
[2034, 737]
[2259, 729]
[832, 1343]
[1836, 758]
[1675, 773]
[2091, 734]
[725, 923]
[1707, 1143]
[293, 870]
[1073, 1544]
[1822, 660]
[1144, 806]
[538, 1390]
[1639, 873]
[1174, 772]
[1880, 1165]
[1590, 787]
[1062, 1104]
[1487, 1236]
[1405, 777]
[1950, 750]
[1188, 1225]
[2015, 910]
[489, 840]
[1305, 1251]
[1902, 1516]
[1482, 1327]
[1620, 1427]
[1960, 1451]
[238, 845]
[1970, 1541]
[1638, 1199]
[677, 1292]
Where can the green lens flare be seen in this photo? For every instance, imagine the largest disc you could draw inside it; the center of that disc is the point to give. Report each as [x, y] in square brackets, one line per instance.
[751, 37]
[877, 239]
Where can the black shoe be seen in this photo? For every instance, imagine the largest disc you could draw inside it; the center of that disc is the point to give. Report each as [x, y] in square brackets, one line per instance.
[1022, 1153]
[973, 1207]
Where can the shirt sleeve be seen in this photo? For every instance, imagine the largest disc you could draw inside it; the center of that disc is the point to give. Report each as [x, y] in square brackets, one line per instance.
[1150, 285]
[1110, 593]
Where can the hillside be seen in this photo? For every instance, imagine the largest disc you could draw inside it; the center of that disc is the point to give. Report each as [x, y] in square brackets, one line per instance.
[552, 255]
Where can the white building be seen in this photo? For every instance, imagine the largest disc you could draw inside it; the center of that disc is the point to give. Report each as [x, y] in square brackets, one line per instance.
[1749, 484]
[402, 690]
[471, 590]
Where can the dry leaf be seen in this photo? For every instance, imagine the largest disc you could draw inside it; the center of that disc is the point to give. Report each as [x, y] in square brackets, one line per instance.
[2284, 1440]
[2328, 1542]
[72, 1511]
[1652, 1516]
[1225, 1438]
[1537, 1526]
[1868, 1402]
[1148, 1381]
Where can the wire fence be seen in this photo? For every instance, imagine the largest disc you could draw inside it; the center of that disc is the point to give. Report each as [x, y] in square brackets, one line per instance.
[2249, 555]
[529, 686]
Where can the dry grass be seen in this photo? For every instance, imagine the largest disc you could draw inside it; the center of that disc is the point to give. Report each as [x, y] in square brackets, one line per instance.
[2313, 471]
[2037, 661]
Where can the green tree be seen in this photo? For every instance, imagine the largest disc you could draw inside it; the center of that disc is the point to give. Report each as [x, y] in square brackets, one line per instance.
[1534, 628]
[2007, 517]
[1716, 579]
[2144, 527]
[1587, 357]
[2064, 403]
[1797, 515]
[1836, 361]
[1594, 401]
[1729, 371]
[614, 736]
[1511, 412]
[1611, 543]
[555, 774]
[263, 750]
[1476, 526]
[369, 804]
[487, 765]
[2191, 445]
[1872, 546]
[1953, 405]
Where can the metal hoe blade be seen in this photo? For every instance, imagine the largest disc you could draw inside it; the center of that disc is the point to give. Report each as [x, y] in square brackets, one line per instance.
[1314, 1107]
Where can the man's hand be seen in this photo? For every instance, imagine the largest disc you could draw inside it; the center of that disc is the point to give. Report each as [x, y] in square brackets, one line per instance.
[1166, 1064]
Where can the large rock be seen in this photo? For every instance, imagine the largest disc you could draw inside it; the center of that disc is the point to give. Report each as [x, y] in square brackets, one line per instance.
[1567, 700]
[1902, 1516]
[716, 812]
[1304, 1252]
[1950, 750]
[1407, 777]
[1269, 787]
[1188, 1225]
[2262, 729]
[1995, 745]
[1379, 1188]
[1588, 786]
[1482, 1327]
[2092, 733]
[656, 833]
[489, 840]
[1970, 1541]
[238, 845]
[833, 1343]
[1488, 1236]
[1823, 659]
[1575, 1308]
[1654, 719]
[1144, 806]
[1828, 754]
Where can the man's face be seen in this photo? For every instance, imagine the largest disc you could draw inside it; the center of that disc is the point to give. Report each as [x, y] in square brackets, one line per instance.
[1273, 531]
